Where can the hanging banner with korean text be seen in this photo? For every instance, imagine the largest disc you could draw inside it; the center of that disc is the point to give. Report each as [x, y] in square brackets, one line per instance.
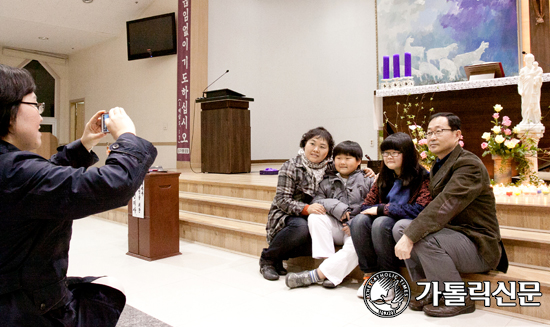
[184, 56]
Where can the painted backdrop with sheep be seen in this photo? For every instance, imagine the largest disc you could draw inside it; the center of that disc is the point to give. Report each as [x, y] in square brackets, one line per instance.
[443, 36]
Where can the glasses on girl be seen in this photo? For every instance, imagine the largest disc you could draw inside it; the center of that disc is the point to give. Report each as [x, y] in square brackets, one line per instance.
[392, 154]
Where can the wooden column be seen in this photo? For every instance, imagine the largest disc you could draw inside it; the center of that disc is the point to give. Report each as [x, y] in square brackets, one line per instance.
[540, 34]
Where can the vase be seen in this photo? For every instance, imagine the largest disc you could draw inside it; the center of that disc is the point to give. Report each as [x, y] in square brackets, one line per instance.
[502, 170]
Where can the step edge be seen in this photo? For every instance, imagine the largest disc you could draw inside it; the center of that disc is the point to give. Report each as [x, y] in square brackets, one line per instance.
[525, 238]
[236, 221]
[232, 184]
[253, 203]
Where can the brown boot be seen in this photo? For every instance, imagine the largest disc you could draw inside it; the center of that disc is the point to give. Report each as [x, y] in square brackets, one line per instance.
[444, 311]
[418, 305]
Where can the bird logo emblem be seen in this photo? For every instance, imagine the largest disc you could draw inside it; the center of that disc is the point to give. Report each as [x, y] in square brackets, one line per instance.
[387, 294]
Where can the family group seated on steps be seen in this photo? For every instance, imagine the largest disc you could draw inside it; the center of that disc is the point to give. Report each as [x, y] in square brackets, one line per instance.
[438, 224]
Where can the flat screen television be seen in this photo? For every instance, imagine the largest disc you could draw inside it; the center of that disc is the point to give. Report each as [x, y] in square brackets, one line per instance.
[152, 36]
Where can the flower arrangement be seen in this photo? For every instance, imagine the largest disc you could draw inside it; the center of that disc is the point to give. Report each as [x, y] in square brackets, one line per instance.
[415, 117]
[420, 141]
[504, 142]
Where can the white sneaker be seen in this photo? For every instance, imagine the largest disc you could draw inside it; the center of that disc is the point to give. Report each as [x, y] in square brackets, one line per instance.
[361, 289]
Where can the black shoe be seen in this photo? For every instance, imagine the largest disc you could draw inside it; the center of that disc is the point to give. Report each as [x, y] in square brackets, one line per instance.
[418, 305]
[445, 311]
[280, 269]
[328, 284]
[269, 272]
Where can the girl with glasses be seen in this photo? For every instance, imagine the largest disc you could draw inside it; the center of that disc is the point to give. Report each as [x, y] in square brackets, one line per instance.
[400, 192]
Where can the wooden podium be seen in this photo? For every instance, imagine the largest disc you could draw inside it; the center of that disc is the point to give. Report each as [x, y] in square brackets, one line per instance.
[49, 145]
[156, 235]
[225, 132]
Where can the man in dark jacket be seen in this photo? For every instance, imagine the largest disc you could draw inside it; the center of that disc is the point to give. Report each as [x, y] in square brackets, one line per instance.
[458, 231]
[40, 198]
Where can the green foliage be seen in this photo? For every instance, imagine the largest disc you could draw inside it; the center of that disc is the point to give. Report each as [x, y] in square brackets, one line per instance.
[415, 117]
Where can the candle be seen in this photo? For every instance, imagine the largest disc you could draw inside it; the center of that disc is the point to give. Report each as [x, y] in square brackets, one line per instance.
[386, 67]
[407, 64]
[396, 72]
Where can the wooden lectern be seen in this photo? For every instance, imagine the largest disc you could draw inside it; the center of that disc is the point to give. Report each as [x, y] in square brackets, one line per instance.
[156, 235]
[225, 132]
[49, 145]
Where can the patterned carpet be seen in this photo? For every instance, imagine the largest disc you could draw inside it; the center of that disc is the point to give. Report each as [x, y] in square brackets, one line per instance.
[132, 317]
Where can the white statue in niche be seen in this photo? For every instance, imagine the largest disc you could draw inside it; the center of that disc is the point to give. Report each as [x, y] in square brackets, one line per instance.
[529, 86]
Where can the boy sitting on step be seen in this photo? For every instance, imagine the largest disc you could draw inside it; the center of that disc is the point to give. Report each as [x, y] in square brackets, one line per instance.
[341, 193]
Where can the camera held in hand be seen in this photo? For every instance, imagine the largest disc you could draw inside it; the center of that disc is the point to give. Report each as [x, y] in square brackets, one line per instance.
[103, 125]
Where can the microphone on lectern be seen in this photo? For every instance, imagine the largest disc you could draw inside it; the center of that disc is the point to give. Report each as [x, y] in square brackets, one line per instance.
[203, 92]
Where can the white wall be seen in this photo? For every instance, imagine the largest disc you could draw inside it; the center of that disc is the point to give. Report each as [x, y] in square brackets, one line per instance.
[146, 88]
[60, 69]
[306, 63]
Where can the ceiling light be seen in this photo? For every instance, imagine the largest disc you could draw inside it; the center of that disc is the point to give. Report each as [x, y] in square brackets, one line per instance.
[87, 1]
[43, 38]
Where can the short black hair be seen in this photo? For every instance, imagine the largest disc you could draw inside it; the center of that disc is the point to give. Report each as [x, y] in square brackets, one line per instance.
[318, 132]
[454, 121]
[15, 83]
[348, 148]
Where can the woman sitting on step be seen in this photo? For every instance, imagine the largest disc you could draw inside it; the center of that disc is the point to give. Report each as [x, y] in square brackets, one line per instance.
[400, 192]
[341, 193]
[287, 230]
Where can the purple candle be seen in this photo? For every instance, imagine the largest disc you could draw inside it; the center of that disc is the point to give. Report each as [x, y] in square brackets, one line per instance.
[396, 72]
[386, 67]
[407, 64]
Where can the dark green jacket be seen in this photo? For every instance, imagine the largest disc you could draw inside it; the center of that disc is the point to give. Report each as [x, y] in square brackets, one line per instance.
[463, 201]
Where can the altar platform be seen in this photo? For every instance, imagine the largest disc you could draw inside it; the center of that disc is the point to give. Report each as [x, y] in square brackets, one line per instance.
[472, 101]
[229, 211]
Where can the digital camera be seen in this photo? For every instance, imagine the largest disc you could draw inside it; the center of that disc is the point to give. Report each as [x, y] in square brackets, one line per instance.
[103, 125]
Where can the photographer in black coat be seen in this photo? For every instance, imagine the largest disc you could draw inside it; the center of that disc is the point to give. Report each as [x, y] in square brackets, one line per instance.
[40, 198]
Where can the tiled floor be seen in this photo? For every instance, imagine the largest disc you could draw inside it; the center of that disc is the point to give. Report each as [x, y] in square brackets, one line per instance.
[210, 287]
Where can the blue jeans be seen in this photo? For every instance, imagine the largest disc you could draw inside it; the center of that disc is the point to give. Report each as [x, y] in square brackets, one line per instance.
[373, 240]
[291, 242]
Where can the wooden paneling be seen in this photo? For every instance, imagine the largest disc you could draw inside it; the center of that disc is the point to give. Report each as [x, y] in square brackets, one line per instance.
[520, 216]
[540, 34]
[475, 108]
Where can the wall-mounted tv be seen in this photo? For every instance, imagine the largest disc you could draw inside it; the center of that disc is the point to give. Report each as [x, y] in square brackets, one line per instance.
[152, 36]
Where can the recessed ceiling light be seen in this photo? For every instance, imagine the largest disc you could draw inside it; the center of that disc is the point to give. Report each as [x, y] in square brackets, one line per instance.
[87, 1]
[43, 38]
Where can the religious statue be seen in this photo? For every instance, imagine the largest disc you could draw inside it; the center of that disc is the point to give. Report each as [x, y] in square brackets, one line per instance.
[529, 86]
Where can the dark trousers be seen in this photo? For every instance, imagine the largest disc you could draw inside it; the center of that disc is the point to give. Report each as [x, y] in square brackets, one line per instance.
[88, 305]
[442, 256]
[291, 242]
[373, 241]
